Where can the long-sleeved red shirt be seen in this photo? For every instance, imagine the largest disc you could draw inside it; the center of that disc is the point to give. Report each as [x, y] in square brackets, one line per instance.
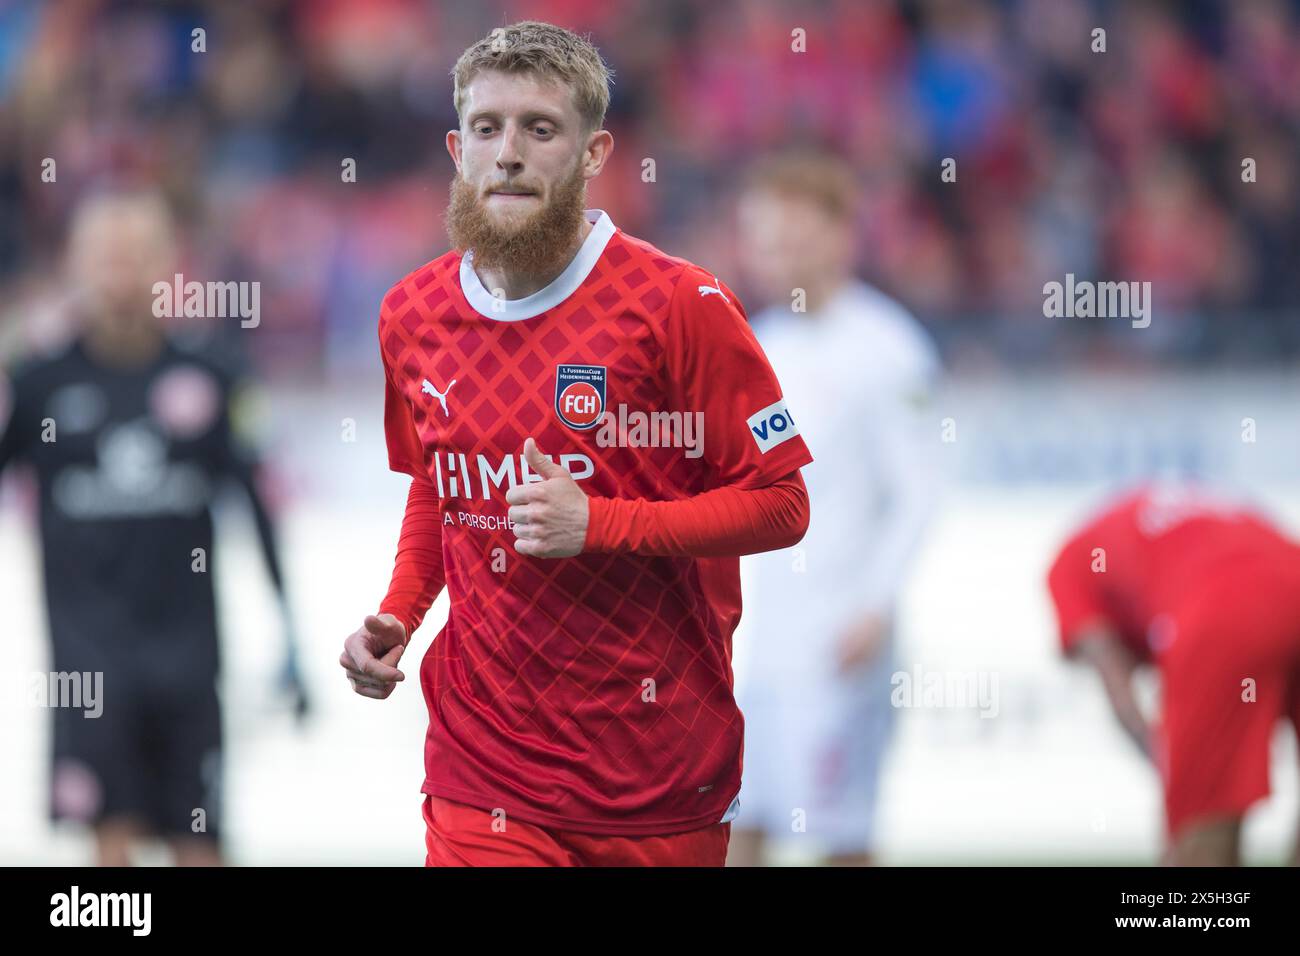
[724, 521]
[536, 687]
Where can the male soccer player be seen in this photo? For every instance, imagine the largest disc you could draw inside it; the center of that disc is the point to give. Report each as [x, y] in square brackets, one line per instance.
[580, 696]
[861, 371]
[1209, 593]
[130, 437]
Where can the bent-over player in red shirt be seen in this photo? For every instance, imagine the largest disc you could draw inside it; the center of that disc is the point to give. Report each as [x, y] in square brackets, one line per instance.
[580, 695]
[1209, 593]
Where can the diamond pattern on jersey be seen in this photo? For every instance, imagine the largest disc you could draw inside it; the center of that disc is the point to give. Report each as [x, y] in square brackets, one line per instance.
[535, 686]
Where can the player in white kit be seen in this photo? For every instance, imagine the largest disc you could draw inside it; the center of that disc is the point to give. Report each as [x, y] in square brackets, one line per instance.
[816, 652]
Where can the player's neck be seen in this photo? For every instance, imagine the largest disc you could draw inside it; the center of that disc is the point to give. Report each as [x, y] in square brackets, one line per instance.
[123, 344]
[515, 284]
[822, 291]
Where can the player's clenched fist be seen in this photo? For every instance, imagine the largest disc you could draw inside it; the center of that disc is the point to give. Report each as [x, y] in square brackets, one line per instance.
[371, 654]
[550, 516]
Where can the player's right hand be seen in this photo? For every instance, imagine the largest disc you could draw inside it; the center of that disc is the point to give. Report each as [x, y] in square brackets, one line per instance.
[370, 656]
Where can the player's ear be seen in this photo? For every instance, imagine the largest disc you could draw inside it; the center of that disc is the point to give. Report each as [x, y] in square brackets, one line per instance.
[600, 144]
[453, 146]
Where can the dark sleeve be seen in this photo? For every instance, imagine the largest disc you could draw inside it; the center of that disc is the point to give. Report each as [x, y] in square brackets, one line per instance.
[16, 428]
[241, 461]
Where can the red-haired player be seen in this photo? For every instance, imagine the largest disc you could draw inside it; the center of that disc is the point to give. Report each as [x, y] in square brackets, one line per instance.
[580, 696]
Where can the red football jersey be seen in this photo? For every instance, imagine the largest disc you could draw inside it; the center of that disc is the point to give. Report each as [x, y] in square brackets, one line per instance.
[1158, 546]
[591, 693]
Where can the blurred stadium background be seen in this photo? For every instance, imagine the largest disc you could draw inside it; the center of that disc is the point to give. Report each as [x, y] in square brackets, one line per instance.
[1122, 165]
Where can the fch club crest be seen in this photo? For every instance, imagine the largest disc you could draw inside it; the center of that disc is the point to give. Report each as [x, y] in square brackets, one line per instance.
[580, 395]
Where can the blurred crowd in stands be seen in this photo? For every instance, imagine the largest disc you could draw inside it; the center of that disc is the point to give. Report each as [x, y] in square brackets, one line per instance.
[1125, 164]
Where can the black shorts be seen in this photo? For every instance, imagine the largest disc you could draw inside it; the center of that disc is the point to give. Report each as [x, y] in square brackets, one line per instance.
[152, 755]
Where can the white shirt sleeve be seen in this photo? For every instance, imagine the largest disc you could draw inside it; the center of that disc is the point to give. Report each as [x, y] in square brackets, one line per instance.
[902, 436]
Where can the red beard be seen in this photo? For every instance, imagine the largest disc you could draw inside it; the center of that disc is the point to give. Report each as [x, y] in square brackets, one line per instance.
[541, 244]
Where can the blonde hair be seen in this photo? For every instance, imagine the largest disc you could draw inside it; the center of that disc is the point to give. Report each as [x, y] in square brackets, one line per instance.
[548, 51]
[122, 214]
[814, 175]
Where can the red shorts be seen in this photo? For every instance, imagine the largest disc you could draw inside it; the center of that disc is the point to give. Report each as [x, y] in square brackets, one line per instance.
[459, 835]
[1230, 674]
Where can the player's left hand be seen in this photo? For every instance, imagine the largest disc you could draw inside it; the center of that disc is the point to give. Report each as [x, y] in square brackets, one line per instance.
[550, 516]
[294, 687]
[291, 681]
[861, 643]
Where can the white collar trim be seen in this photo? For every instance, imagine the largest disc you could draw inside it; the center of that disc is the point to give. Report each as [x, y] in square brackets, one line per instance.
[559, 289]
